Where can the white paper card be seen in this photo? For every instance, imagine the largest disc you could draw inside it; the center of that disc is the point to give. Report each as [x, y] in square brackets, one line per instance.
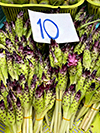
[59, 27]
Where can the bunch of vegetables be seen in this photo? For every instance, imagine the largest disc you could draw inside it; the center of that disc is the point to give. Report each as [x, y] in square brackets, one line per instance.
[35, 78]
[47, 2]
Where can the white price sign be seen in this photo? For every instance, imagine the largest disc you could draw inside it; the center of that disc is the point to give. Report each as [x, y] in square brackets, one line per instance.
[59, 27]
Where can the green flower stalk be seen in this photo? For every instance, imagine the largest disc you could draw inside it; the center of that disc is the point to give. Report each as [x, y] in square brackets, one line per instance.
[10, 46]
[66, 101]
[60, 88]
[65, 51]
[3, 65]
[33, 88]
[27, 110]
[13, 28]
[82, 40]
[1, 77]
[94, 54]
[4, 92]
[72, 67]
[25, 27]
[31, 73]
[11, 71]
[43, 103]
[19, 116]
[19, 25]
[21, 66]
[55, 54]
[3, 36]
[82, 48]
[79, 70]
[96, 67]
[41, 68]
[11, 115]
[22, 81]
[81, 14]
[87, 58]
[3, 114]
[72, 110]
[87, 91]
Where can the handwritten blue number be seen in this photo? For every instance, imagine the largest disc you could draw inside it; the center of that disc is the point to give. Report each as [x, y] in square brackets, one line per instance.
[39, 22]
[42, 35]
[57, 35]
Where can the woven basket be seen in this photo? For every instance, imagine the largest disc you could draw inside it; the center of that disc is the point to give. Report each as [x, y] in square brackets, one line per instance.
[94, 8]
[11, 10]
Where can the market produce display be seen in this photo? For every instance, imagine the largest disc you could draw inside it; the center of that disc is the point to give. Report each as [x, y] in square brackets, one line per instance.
[36, 78]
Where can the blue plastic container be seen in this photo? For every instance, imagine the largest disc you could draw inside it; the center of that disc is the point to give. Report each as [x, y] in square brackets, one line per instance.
[2, 18]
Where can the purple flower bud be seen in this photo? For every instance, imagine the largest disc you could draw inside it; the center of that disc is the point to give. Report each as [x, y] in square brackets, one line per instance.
[16, 39]
[77, 23]
[8, 41]
[78, 95]
[10, 107]
[23, 38]
[12, 24]
[72, 88]
[18, 103]
[72, 61]
[8, 98]
[86, 73]
[19, 89]
[6, 25]
[2, 88]
[20, 47]
[12, 96]
[27, 23]
[26, 87]
[43, 76]
[22, 77]
[53, 43]
[93, 86]
[93, 74]
[2, 106]
[20, 14]
[1, 50]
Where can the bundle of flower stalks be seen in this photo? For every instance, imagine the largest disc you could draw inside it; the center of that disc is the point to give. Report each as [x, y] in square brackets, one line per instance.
[35, 78]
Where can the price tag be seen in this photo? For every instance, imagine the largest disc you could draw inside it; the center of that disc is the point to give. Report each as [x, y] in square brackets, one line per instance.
[59, 27]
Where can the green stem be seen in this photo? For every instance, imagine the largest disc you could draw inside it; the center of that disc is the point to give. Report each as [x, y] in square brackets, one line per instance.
[25, 122]
[41, 129]
[13, 128]
[98, 20]
[71, 121]
[18, 128]
[63, 123]
[92, 117]
[67, 127]
[56, 112]
[47, 120]
[82, 112]
[86, 118]
[88, 102]
[38, 122]
[52, 122]
[30, 121]
[60, 112]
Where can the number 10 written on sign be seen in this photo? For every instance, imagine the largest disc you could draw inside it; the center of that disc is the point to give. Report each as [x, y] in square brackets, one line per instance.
[43, 28]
